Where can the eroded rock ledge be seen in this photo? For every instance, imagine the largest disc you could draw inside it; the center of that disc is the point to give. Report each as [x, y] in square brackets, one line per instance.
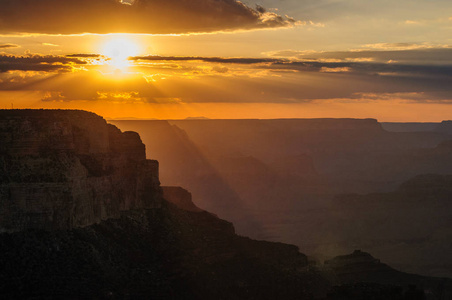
[61, 169]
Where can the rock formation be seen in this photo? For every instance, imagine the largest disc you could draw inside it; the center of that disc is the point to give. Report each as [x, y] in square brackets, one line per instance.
[445, 127]
[180, 197]
[359, 273]
[65, 169]
[83, 216]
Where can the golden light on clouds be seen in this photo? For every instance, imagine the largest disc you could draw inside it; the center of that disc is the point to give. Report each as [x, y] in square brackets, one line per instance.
[154, 59]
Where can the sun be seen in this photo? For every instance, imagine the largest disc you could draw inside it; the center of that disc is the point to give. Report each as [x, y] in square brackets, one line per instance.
[118, 50]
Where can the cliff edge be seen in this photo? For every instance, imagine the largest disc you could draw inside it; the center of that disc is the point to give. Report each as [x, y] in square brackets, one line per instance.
[61, 169]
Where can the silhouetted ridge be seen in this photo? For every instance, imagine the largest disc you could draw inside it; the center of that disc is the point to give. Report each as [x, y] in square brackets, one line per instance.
[445, 127]
[361, 276]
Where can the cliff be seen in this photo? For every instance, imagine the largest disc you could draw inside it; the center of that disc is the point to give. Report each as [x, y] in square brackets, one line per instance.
[61, 169]
[83, 216]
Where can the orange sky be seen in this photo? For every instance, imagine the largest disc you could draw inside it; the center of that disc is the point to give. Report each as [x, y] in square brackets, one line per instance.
[391, 61]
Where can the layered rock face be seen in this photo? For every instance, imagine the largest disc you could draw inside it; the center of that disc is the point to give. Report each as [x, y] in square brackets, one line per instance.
[61, 169]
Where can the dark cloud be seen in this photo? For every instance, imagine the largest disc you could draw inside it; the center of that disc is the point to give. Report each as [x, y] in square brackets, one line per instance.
[261, 9]
[140, 16]
[6, 46]
[380, 69]
[407, 53]
[339, 63]
[207, 59]
[47, 63]
[331, 10]
[84, 55]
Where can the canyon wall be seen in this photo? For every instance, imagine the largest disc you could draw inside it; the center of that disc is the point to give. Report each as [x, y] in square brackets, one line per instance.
[61, 169]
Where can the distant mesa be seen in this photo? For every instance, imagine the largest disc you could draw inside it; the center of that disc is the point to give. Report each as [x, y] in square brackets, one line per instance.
[445, 127]
[409, 126]
[361, 276]
[358, 261]
[130, 119]
[197, 118]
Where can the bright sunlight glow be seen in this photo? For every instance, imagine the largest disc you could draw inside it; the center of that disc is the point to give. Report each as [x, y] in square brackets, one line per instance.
[119, 50]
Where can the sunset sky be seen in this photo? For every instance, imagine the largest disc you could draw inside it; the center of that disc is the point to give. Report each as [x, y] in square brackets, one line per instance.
[171, 59]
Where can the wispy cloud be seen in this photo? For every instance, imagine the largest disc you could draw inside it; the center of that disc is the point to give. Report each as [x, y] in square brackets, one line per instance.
[50, 45]
[6, 46]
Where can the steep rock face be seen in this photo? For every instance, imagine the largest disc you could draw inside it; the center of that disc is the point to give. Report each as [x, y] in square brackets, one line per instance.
[65, 169]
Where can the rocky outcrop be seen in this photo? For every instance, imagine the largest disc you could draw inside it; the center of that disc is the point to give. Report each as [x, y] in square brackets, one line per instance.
[180, 197]
[359, 273]
[445, 127]
[354, 263]
[61, 169]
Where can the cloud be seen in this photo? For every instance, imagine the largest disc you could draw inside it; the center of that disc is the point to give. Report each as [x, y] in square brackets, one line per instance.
[140, 16]
[334, 70]
[384, 63]
[403, 46]
[171, 79]
[407, 97]
[412, 22]
[50, 96]
[421, 54]
[403, 63]
[225, 60]
[47, 63]
[6, 46]
[85, 55]
[50, 45]
[121, 97]
[127, 2]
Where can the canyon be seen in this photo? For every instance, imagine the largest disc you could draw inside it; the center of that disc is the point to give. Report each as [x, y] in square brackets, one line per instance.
[280, 180]
[83, 215]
